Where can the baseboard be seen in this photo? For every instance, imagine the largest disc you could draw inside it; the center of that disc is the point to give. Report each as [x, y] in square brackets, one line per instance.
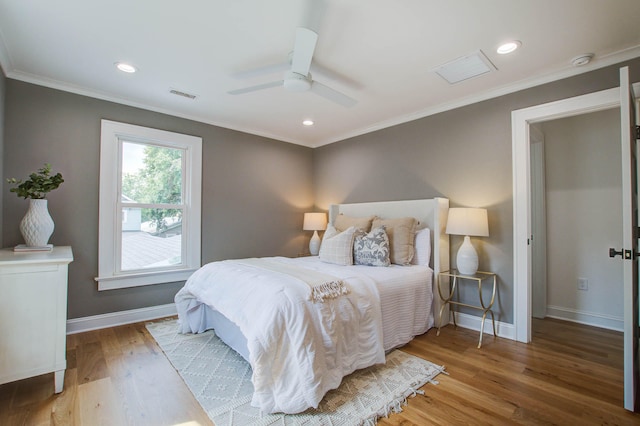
[473, 322]
[112, 319]
[588, 318]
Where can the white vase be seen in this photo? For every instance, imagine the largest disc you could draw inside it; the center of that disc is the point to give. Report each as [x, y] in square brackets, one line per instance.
[37, 225]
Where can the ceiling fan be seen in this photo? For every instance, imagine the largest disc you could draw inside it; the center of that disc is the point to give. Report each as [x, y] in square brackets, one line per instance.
[298, 78]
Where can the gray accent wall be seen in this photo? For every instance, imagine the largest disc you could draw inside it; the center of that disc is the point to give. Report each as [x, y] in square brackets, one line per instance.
[255, 189]
[463, 154]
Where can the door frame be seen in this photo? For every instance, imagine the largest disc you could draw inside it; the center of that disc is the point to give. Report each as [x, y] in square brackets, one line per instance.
[520, 121]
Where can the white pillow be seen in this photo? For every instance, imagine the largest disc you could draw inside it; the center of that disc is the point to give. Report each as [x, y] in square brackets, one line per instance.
[422, 246]
[337, 247]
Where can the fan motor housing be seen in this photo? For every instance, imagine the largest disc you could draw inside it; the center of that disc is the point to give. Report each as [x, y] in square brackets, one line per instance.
[295, 82]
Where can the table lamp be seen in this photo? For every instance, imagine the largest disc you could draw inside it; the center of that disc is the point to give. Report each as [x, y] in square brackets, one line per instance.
[314, 222]
[467, 222]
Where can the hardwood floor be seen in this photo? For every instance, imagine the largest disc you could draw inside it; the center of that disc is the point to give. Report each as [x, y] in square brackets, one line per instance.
[569, 375]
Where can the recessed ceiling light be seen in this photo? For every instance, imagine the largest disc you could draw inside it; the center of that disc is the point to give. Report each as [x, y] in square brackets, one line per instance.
[508, 47]
[125, 67]
[308, 122]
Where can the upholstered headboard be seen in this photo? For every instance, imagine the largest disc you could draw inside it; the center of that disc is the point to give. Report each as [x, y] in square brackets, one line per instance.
[431, 213]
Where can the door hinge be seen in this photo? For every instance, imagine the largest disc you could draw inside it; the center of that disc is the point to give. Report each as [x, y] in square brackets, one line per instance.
[637, 132]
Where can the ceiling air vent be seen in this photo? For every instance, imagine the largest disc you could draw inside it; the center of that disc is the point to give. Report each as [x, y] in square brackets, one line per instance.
[183, 94]
[466, 67]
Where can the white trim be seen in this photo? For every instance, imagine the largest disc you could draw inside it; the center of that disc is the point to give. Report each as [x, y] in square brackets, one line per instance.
[109, 221]
[520, 121]
[588, 318]
[137, 280]
[472, 322]
[113, 319]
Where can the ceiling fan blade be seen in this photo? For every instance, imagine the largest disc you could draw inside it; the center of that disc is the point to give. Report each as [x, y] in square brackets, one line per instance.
[332, 95]
[256, 88]
[263, 70]
[303, 49]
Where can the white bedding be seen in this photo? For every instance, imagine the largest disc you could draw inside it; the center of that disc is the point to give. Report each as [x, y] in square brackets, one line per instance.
[299, 349]
[406, 296]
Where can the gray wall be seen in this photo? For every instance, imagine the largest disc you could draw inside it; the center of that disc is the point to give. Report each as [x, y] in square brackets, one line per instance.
[584, 209]
[463, 154]
[255, 190]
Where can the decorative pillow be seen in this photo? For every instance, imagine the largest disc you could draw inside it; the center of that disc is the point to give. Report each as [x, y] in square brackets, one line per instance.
[337, 247]
[422, 247]
[401, 234]
[342, 222]
[371, 249]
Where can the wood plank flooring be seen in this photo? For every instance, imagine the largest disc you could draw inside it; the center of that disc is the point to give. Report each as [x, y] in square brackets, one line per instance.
[569, 375]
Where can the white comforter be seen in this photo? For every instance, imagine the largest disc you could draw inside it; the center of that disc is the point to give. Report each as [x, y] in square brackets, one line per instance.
[298, 349]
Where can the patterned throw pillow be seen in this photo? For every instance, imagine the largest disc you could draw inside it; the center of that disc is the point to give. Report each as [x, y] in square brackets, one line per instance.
[371, 249]
[337, 247]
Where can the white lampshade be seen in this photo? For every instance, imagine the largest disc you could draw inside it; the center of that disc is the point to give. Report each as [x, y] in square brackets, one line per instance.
[467, 222]
[314, 222]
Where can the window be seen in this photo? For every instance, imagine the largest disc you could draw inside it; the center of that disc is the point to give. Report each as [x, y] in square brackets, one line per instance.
[149, 225]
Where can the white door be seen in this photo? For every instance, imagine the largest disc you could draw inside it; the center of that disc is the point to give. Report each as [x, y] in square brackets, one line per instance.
[629, 240]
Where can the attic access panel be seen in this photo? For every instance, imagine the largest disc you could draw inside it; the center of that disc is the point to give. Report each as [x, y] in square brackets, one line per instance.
[465, 67]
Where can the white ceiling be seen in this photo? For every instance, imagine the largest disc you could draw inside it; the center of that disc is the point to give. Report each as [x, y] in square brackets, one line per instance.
[380, 52]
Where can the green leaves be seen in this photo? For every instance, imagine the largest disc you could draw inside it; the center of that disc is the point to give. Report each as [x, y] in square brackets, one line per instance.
[158, 182]
[38, 185]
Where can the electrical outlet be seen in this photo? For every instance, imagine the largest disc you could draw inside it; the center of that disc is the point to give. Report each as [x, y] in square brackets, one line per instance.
[583, 284]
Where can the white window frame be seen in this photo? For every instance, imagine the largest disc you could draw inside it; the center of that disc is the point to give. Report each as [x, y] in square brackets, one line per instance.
[110, 214]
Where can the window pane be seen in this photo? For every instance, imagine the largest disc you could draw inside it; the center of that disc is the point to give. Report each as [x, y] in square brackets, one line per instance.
[151, 174]
[151, 238]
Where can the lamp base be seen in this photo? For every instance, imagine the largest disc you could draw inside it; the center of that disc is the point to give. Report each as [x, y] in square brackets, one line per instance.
[314, 244]
[467, 259]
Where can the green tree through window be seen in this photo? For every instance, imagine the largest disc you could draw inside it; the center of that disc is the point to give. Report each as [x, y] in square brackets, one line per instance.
[158, 181]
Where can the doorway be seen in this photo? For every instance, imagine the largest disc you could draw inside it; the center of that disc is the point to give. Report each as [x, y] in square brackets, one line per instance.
[521, 121]
[576, 210]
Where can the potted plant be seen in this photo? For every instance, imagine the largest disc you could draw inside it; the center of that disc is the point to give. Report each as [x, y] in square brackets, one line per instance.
[37, 225]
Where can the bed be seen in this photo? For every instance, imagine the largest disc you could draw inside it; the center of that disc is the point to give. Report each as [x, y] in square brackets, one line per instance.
[305, 323]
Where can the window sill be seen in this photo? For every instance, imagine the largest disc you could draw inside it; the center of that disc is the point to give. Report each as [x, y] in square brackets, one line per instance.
[140, 279]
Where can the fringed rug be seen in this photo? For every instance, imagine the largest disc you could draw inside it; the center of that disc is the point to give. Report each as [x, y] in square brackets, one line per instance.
[220, 379]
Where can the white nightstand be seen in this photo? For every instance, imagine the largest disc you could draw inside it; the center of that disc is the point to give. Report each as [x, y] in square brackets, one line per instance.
[33, 314]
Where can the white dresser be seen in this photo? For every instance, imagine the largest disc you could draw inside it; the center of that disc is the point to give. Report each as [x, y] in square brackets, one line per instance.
[33, 314]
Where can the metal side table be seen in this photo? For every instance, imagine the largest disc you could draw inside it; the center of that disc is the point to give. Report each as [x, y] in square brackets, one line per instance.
[453, 277]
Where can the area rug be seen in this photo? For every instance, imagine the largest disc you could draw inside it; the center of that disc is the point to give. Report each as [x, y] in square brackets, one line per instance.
[220, 379]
